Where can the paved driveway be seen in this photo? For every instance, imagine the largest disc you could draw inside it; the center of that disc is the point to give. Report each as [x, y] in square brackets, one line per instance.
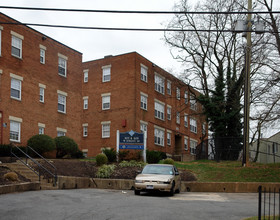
[113, 204]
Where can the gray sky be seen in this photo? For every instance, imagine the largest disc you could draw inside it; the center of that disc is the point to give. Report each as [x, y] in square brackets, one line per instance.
[96, 44]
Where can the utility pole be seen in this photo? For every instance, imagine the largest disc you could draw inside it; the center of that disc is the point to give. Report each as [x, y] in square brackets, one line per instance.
[247, 86]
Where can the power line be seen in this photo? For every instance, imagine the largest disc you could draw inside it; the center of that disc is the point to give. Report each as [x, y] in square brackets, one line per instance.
[136, 12]
[125, 29]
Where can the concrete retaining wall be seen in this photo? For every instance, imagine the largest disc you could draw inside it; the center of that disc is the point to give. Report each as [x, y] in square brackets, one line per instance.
[21, 187]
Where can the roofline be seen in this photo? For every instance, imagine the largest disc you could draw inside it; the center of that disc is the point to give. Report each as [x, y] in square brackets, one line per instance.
[39, 32]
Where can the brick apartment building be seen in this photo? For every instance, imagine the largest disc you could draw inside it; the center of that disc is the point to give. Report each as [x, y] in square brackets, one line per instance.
[45, 88]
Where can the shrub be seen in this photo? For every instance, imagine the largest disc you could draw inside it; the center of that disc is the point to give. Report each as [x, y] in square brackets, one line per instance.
[168, 161]
[5, 150]
[65, 146]
[105, 171]
[123, 154]
[101, 159]
[79, 155]
[154, 156]
[12, 176]
[41, 143]
[132, 163]
[110, 153]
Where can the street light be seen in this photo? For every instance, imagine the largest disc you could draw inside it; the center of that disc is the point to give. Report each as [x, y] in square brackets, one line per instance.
[242, 26]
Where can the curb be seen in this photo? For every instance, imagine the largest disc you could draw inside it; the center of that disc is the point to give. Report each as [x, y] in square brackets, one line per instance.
[21, 187]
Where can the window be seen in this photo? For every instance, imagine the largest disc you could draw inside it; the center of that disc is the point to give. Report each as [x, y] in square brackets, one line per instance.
[42, 56]
[178, 93]
[41, 130]
[144, 73]
[274, 148]
[169, 112]
[193, 145]
[62, 65]
[143, 126]
[186, 97]
[159, 136]
[193, 103]
[105, 129]
[62, 102]
[186, 120]
[15, 131]
[85, 102]
[85, 130]
[204, 128]
[144, 101]
[159, 84]
[186, 143]
[193, 125]
[16, 89]
[42, 93]
[85, 76]
[178, 117]
[16, 46]
[159, 110]
[168, 138]
[168, 87]
[106, 101]
[106, 73]
[61, 132]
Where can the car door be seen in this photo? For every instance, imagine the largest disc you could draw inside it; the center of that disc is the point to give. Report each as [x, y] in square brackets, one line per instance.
[177, 178]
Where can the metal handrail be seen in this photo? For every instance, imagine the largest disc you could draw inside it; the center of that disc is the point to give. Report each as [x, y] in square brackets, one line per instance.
[40, 166]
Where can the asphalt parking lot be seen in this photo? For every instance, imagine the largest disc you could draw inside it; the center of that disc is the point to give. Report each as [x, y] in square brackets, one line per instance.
[116, 204]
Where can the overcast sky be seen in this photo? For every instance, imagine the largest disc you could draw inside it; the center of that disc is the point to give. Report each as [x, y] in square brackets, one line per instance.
[95, 44]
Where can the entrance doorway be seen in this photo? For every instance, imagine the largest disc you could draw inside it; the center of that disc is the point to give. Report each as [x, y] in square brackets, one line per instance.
[178, 144]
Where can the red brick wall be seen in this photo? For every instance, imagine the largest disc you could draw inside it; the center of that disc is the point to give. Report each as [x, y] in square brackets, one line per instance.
[29, 109]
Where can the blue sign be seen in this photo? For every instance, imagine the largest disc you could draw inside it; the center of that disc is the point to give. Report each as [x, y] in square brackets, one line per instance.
[131, 140]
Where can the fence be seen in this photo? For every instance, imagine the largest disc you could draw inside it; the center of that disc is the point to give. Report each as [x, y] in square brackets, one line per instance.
[269, 202]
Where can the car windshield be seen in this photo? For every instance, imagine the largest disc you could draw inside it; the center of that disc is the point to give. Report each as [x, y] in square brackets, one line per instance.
[162, 170]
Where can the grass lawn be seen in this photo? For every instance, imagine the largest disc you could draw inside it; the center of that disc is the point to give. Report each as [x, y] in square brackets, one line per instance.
[231, 171]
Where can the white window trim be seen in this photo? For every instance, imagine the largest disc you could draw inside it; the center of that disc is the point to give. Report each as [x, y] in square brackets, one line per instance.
[86, 75]
[161, 103]
[64, 58]
[42, 86]
[19, 78]
[170, 83]
[146, 68]
[106, 123]
[191, 146]
[21, 38]
[103, 96]
[85, 106]
[178, 93]
[168, 132]
[178, 120]
[186, 139]
[85, 129]
[162, 86]
[65, 95]
[169, 107]
[186, 123]
[106, 67]
[146, 96]
[192, 127]
[19, 121]
[163, 136]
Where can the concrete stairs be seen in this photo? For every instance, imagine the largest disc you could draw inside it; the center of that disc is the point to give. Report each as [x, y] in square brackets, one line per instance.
[19, 167]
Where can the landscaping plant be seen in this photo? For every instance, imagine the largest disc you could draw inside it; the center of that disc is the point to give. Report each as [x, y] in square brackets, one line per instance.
[41, 143]
[101, 159]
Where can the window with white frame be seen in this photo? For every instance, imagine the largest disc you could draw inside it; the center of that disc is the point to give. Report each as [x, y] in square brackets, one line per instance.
[106, 73]
[159, 110]
[106, 99]
[169, 112]
[178, 117]
[41, 130]
[159, 84]
[85, 102]
[193, 125]
[178, 96]
[42, 55]
[42, 94]
[17, 45]
[85, 130]
[144, 101]
[186, 120]
[168, 138]
[186, 143]
[186, 97]
[193, 104]
[61, 102]
[144, 73]
[105, 129]
[15, 131]
[62, 65]
[61, 132]
[85, 76]
[143, 127]
[168, 87]
[193, 145]
[15, 88]
[159, 136]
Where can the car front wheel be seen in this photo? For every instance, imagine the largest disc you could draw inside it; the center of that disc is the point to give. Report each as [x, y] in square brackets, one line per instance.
[137, 192]
[171, 193]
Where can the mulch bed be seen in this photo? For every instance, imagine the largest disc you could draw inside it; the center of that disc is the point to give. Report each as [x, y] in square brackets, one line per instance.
[69, 167]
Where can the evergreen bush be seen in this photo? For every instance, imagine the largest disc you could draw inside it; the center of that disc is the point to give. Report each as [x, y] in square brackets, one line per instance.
[41, 143]
[154, 156]
[110, 153]
[65, 146]
[168, 161]
[105, 171]
[101, 159]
